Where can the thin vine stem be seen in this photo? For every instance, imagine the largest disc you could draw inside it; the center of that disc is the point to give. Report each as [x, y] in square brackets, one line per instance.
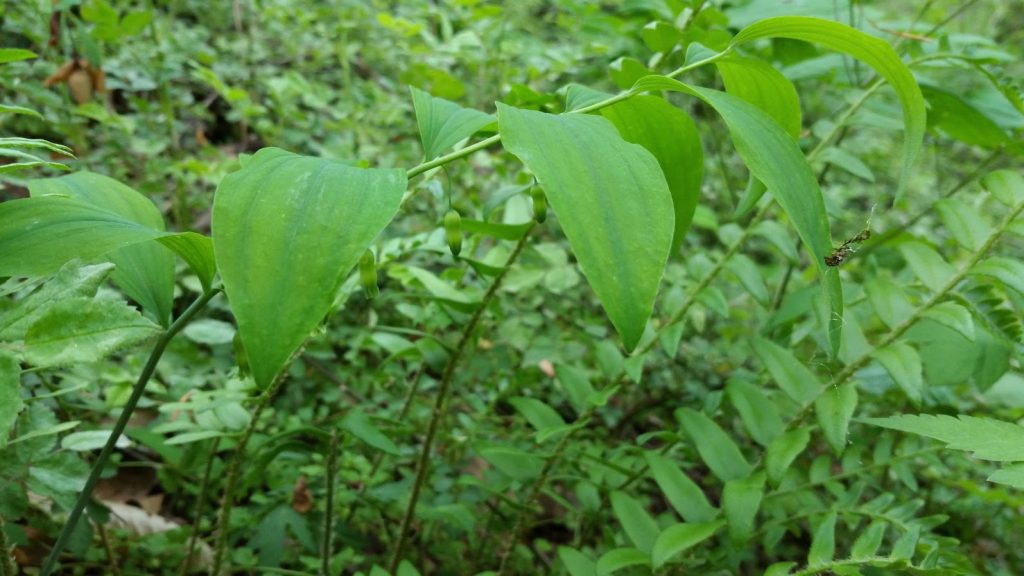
[423, 462]
[328, 536]
[120, 425]
[204, 487]
[234, 471]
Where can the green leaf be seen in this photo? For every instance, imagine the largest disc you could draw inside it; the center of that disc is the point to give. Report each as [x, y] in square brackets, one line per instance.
[90, 440]
[500, 231]
[576, 384]
[678, 538]
[357, 423]
[954, 316]
[834, 409]
[621, 241]
[71, 281]
[1007, 270]
[960, 120]
[867, 544]
[759, 414]
[903, 364]
[576, 563]
[779, 569]
[795, 379]
[933, 271]
[11, 402]
[783, 451]
[741, 500]
[84, 330]
[537, 413]
[988, 439]
[775, 159]
[823, 543]
[683, 493]
[512, 462]
[15, 54]
[906, 545]
[964, 223]
[287, 229]
[671, 136]
[716, 448]
[144, 271]
[749, 275]
[763, 86]
[1011, 476]
[846, 161]
[619, 558]
[872, 51]
[640, 527]
[889, 300]
[197, 251]
[444, 123]
[1006, 185]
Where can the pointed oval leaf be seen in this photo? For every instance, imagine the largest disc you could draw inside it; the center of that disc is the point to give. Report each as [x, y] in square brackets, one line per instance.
[444, 123]
[872, 51]
[716, 448]
[614, 560]
[795, 379]
[741, 500]
[612, 202]
[671, 136]
[759, 414]
[85, 330]
[783, 451]
[683, 493]
[577, 563]
[823, 544]
[929, 267]
[763, 86]
[72, 280]
[1006, 185]
[834, 409]
[903, 364]
[676, 539]
[286, 230]
[640, 527]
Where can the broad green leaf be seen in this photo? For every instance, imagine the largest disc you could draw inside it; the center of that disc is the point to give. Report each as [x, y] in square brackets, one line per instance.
[144, 271]
[741, 500]
[823, 543]
[197, 251]
[15, 54]
[612, 202]
[678, 538]
[903, 364]
[683, 493]
[869, 541]
[783, 451]
[1007, 270]
[775, 159]
[1006, 185]
[619, 558]
[71, 281]
[960, 120]
[1011, 476]
[716, 448]
[933, 271]
[963, 222]
[988, 439]
[638, 524]
[11, 401]
[671, 136]
[444, 123]
[625, 71]
[954, 316]
[287, 229]
[834, 409]
[576, 563]
[357, 423]
[795, 379]
[84, 330]
[763, 86]
[759, 414]
[579, 96]
[872, 51]
[660, 36]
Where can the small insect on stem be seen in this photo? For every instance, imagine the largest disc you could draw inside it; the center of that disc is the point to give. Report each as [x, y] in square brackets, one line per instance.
[839, 255]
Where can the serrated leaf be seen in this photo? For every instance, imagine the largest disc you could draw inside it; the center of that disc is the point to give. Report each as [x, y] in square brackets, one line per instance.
[678, 538]
[775, 159]
[85, 330]
[834, 409]
[11, 402]
[287, 229]
[759, 414]
[823, 543]
[795, 379]
[988, 439]
[716, 448]
[872, 51]
[903, 364]
[444, 123]
[683, 493]
[145, 271]
[621, 241]
[72, 280]
[783, 451]
[671, 136]
[638, 524]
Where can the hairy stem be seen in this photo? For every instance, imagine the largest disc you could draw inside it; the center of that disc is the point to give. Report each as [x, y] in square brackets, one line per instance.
[119, 426]
[423, 462]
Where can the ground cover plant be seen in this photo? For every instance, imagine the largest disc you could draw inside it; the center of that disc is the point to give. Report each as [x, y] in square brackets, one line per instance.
[458, 287]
